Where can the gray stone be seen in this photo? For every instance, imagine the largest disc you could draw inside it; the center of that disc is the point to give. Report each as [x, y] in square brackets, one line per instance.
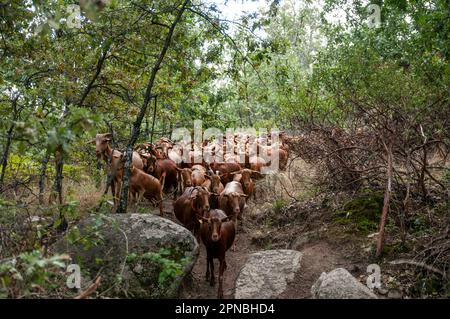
[266, 274]
[114, 246]
[382, 291]
[395, 294]
[340, 284]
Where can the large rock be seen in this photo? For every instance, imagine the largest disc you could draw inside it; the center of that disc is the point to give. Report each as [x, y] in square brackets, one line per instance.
[340, 284]
[266, 274]
[119, 248]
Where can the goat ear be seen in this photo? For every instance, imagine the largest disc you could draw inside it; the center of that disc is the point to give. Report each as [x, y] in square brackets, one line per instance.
[225, 219]
[91, 141]
[204, 219]
[243, 195]
[207, 177]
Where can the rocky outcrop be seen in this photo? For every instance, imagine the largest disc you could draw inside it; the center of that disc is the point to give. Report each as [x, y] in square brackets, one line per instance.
[266, 274]
[137, 255]
[340, 284]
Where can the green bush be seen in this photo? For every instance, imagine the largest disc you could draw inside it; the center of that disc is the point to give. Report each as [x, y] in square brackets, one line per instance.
[171, 266]
[31, 273]
[22, 166]
[363, 212]
[278, 205]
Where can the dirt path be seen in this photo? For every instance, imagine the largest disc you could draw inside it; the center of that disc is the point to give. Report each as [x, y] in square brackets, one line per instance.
[318, 257]
[197, 287]
[319, 254]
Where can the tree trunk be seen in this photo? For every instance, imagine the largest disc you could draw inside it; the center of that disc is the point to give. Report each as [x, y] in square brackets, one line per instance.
[387, 194]
[154, 118]
[42, 177]
[9, 136]
[57, 185]
[137, 123]
[422, 186]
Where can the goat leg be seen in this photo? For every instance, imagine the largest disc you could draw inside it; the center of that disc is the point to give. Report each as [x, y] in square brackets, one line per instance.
[138, 198]
[207, 267]
[222, 268]
[211, 263]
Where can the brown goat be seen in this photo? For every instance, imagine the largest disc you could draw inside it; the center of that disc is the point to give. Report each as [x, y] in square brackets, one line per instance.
[184, 178]
[198, 167]
[157, 167]
[216, 189]
[217, 233]
[244, 177]
[225, 169]
[198, 177]
[193, 202]
[280, 153]
[207, 185]
[164, 145]
[231, 200]
[145, 185]
[104, 151]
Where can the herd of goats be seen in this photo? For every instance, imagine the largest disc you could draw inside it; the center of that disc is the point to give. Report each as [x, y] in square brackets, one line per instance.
[214, 180]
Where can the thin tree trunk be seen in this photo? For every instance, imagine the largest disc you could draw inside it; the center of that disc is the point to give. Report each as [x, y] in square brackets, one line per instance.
[404, 216]
[61, 225]
[154, 118]
[387, 194]
[9, 136]
[137, 123]
[42, 177]
[147, 128]
[424, 165]
[423, 188]
[57, 185]
[98, 69]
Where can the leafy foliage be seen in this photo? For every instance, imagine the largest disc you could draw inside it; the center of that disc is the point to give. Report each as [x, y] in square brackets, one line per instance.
[31, 274]
[171, 268]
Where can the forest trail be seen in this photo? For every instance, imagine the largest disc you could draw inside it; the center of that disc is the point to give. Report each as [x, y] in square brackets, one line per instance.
[318, 256]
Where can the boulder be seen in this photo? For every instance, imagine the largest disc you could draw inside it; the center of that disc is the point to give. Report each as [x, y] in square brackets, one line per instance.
[266, 274]
[340, 284]
[137, 255]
